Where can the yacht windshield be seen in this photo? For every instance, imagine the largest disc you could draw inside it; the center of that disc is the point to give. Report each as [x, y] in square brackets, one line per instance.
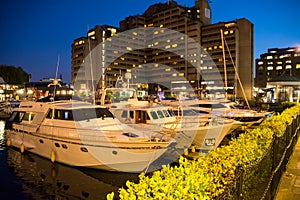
[91, 113]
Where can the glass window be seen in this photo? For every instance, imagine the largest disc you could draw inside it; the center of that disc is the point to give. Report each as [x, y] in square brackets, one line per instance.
[28, 116]
[160, 114]
[154, 115]
[166, 113]
[49, 115]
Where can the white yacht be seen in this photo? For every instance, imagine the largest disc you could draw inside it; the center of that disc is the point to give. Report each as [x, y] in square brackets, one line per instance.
[202, 131]
[85, 135]
[242, 117]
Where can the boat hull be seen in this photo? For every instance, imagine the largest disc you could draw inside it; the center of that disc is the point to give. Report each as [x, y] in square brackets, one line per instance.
[124, 156]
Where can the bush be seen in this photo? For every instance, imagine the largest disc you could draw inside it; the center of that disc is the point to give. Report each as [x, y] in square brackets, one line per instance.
[209, 176]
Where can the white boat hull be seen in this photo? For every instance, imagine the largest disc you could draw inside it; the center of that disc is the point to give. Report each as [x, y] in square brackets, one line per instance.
[123, 156]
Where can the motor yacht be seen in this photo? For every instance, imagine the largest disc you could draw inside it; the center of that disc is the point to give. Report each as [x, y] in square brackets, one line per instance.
[81, 134]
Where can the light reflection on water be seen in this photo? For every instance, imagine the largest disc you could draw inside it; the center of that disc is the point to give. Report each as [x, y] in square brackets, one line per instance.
[2, 136]
[38, 178]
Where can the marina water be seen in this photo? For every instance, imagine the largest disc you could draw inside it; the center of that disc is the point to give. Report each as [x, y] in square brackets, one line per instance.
[28, 176]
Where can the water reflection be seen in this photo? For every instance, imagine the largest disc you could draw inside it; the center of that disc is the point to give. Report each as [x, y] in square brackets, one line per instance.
[28, 176]
[42, 179]
[2, 136]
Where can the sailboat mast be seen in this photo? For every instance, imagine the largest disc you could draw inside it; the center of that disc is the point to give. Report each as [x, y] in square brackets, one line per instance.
[224, 63]
[237, 75]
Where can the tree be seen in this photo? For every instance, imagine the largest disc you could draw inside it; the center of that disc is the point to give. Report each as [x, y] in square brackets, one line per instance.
[13, 75]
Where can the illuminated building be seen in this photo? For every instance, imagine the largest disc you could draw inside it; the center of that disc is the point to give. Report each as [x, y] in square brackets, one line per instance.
[277, 62]
[195, 22]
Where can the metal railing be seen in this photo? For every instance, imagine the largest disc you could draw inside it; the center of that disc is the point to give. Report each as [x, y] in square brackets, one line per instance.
[261, 179]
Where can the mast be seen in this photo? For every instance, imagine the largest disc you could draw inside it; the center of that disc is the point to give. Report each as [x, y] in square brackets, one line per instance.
[237, 75]
[224, 63]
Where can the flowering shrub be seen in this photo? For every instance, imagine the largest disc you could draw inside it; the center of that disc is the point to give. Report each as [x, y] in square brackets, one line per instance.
[208, 177]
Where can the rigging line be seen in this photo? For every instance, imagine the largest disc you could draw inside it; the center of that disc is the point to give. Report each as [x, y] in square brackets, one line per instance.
[237, 74]
[55, 80]
[91, 70]
[224, 62]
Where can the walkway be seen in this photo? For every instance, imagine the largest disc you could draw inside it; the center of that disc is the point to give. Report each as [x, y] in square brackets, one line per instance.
[289, 186]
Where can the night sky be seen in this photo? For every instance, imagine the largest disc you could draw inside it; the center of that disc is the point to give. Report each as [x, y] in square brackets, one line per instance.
[35, 32]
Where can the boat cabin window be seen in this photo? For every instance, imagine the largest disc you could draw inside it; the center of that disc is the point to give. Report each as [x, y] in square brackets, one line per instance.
[91, 113]
[28, 117]
[170, 112]
[50, 114]
[125, 114]
[154, 115]
[160, 114]
[63, 114]
[166, 113]
[211, 106]
[16, 116]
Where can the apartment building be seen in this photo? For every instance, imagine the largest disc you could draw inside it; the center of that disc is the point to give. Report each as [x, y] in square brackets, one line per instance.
[230, 45]
[277, 62]
[162, 45]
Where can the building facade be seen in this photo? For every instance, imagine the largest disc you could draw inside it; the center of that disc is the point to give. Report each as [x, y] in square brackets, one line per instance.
[277, 62]
[230, 45]
[162, 53]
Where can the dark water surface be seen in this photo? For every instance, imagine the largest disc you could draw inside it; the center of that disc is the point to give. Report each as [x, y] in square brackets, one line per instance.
[27, 176]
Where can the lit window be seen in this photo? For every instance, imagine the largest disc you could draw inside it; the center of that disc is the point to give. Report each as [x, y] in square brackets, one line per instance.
[174, 74]
[116, 63]
[278, 67]
[288, 67]
[270, 63]
[220, 47]
[260, 62]
[210, 48]
[226, 33]
[174, 45]
[181, 74]
[288, 61]
[215, 47]
[279, 62]
[155, 43]
[231, 31]
[168, 69]
[168, 47]
[116, 52]
[129, 48]
[269, 57]
[91, 33]
[156, 32]
[134, 33]
[270, 68]
[156, 65]
[298, 66]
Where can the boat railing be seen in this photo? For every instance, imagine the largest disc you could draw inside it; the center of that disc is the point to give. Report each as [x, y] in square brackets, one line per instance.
[78, 133]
